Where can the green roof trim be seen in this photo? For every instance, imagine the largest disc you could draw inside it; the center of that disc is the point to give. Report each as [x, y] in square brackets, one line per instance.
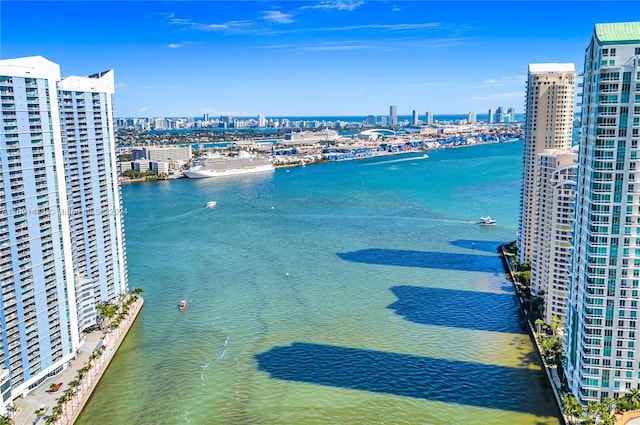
[618, 33]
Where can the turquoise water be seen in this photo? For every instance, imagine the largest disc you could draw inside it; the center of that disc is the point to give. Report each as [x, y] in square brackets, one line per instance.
[357, 292]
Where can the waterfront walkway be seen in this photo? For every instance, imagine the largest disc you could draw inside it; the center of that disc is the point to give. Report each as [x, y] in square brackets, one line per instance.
[550, 371]
[41, 400]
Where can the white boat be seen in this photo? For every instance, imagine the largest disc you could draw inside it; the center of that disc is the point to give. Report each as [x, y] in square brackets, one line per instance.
[222, 166]
[211, 204]
[487, 221]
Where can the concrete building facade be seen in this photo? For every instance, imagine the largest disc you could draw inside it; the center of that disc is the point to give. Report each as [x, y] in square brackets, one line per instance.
[549, 112]
[601, 347]
[57, 174]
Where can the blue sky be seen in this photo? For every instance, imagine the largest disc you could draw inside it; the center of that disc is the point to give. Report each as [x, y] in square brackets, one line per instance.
[291, 58]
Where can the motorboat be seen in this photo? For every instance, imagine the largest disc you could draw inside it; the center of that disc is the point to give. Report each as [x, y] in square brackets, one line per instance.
[211, 204]
[487, 221]
[183, 305]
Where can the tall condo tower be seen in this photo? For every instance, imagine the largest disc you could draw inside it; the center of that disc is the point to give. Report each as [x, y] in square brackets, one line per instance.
[553, 229]
[549, 120]
[471, 117]
[93, 193]
[429, 118]
[415, 117]
[601, 346]
[393, 115]
[61, 237]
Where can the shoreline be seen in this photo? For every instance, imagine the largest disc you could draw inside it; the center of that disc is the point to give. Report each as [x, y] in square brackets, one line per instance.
[551, 374]
[107, 343]
[301, 160]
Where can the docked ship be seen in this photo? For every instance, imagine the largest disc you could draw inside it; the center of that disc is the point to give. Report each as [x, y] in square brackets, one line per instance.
[222, 166]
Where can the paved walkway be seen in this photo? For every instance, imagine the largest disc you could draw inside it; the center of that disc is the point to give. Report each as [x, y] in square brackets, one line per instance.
[41, 399]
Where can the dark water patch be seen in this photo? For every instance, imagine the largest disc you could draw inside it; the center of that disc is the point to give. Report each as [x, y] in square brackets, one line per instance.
[433, 260]
[449, 381]
[482, 311]
[477, 245]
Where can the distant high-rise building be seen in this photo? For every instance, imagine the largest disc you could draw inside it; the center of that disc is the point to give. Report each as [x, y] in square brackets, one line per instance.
[471, 117]
[262, 121]
[61, 237]
[429, 118]
[371, 120]
[498, 117]
[393, 115]
[511, 113]
[205, 117]
[490, 118]
[601, 348]
[415, 117]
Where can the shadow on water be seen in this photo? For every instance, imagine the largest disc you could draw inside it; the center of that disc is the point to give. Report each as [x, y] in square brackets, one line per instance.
[458, 309]
[434, 260]
[478, 245]
[405, 375]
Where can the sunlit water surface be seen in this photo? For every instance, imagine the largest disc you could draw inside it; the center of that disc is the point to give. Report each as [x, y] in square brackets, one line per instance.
[358, 292]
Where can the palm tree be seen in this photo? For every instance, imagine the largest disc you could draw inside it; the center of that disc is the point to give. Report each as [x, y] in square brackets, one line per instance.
[6, 419]
[556, 322]
[539, 322]
[634, 397]
[571, 407]
[107, 311]
[73, 385]
[604, 411]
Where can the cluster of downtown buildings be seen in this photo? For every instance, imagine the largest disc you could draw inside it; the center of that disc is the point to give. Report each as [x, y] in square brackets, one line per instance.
[62, 248]
[500, 115]
[579, 222]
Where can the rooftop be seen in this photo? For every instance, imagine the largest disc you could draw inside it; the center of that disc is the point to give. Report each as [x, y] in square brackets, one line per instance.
[535, 68]
[618, 33]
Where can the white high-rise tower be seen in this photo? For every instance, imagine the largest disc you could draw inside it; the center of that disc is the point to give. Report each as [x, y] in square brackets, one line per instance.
[61, 235]
[602, 348]
[393, 115]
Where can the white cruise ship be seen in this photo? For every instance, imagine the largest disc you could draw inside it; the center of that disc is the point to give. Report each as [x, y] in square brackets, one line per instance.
[222, 166]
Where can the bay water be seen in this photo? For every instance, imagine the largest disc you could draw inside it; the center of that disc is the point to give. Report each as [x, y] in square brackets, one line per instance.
[358, 292]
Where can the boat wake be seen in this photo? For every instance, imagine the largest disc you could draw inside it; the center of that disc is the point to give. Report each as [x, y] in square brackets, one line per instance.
[391, 161]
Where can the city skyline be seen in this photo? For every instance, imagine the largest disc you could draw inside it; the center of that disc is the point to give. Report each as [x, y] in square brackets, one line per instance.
[325, 58]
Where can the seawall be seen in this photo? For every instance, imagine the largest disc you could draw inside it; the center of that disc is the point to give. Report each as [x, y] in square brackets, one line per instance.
[554, 382]
[111, 343]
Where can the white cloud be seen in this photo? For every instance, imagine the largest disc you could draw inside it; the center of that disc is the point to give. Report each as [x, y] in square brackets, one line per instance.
[120, 85]
[507, 80]
[175, 45]
[226, 26]
[278, 17]
[395, 8]
[389, 27]
[325, 46]
[336, 5]
[519, 95]
[143, 109]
